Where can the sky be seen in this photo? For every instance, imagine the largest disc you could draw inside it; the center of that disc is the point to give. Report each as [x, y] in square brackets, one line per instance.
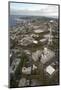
[34, 9]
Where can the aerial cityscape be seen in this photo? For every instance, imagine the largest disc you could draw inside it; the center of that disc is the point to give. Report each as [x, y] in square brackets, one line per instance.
[34, 45]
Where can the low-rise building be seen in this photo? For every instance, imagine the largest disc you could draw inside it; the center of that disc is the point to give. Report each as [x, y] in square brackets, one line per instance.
[26, 41]
[36, 55]
[47, 56]
[26, 70]
[38, 31]
[50, 70]
[14, 66]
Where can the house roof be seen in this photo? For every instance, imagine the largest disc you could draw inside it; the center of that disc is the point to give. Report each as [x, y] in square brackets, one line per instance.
[50, 70]
[47, 55]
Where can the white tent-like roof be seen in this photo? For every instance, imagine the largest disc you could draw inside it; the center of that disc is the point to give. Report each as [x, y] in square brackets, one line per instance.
[50, 70]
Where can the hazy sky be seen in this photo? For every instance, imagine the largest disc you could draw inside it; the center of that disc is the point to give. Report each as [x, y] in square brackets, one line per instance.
[33, 9]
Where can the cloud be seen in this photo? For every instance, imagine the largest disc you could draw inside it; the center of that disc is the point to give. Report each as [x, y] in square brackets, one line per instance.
[34, 9]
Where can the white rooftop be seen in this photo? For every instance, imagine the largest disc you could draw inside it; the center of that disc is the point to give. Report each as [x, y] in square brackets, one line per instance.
[51, 20]
[50, 70]
[34, 67]
[35, 42]
[43, 40]
[26, 70]
[10, 55]
[38, 31]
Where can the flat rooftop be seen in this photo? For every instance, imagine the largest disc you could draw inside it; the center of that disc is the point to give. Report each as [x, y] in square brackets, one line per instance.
[50, 70]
